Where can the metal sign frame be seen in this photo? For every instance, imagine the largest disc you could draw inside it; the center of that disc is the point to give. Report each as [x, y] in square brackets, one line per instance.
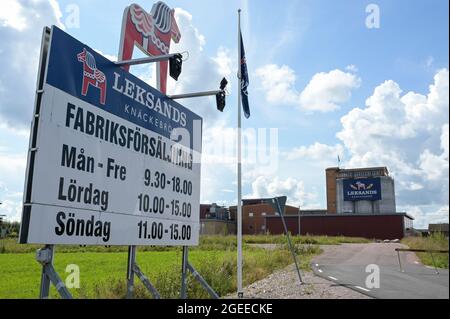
[43, 61]
[45, 255]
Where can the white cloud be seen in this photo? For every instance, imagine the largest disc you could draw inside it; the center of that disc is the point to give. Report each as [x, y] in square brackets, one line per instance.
[11, 166]
[23, 132]
[294, 189]
[11, 15]
[12, 172]
[224, 61]
[200, 72]
[278, 84]
[324, 93]
[427, 215]
[351, 68]
[408, 134]
[411, 186]
[21, 25]
[110, 57]
[12, 209]
[317, 152]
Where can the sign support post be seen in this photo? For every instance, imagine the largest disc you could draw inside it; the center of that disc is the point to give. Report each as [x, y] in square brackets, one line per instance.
[186, 266]
[275, 202]
[184, 262]
[291, 248]
[130, 272]
[49, 275]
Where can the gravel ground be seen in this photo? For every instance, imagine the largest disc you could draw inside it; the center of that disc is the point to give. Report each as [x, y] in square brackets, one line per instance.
[284, 284]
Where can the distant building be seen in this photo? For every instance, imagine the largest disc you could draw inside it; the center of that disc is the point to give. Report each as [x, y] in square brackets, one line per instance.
[254, 213]
[379, 226]
[3, 230]
[360, 203]
[313, 211]
[360, 191]
[216, 220]
[438, 228]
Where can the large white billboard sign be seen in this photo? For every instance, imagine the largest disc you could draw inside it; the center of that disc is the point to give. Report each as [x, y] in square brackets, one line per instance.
[115, 161]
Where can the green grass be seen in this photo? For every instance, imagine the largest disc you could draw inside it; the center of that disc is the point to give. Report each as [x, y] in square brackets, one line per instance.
[102, 275]
[102, 269]
[312, 240]
[434, 242]
[211, 242]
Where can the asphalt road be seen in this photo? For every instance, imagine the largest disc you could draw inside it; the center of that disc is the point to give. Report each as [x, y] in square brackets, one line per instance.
[346, 265]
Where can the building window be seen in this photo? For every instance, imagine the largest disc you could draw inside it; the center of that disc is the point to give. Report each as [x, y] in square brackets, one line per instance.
[250, 214]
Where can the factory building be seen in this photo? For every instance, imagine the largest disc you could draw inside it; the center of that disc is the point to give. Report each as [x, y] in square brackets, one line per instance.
[360, 191]
[360, 203]
[380, 226]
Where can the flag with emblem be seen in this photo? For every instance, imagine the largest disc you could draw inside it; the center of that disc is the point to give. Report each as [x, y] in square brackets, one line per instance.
[244, 80]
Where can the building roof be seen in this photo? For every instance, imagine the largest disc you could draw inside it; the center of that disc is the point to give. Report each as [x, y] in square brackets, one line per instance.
[347, 215]
[312, 211]
[250, 203]
[348, 171]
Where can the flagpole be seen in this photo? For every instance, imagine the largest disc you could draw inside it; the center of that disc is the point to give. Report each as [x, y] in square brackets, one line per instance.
[239, 170]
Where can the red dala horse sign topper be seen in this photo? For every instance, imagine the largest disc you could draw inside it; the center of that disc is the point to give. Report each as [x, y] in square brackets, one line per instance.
[150, 32]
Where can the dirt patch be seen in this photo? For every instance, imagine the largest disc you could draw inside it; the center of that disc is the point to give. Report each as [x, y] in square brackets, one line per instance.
[284, 284]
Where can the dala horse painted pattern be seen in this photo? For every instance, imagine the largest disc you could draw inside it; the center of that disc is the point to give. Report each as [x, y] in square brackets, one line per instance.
[150, 32]
[92, 75]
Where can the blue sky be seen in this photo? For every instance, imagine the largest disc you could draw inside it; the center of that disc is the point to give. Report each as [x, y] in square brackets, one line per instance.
[313, 65]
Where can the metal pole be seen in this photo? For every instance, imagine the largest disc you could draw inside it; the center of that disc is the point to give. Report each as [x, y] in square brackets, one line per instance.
[57, 282]
[130, 271]
[149, 59]
[146, 282]
[196, 94]
[289, 241]
[158, 76]
[434, 264]
[202, 281]
[184, 268]
[399, 261]
[239, 172]
[45, 280]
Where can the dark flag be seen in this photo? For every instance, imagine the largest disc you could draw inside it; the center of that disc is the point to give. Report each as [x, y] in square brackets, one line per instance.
[244, 81]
